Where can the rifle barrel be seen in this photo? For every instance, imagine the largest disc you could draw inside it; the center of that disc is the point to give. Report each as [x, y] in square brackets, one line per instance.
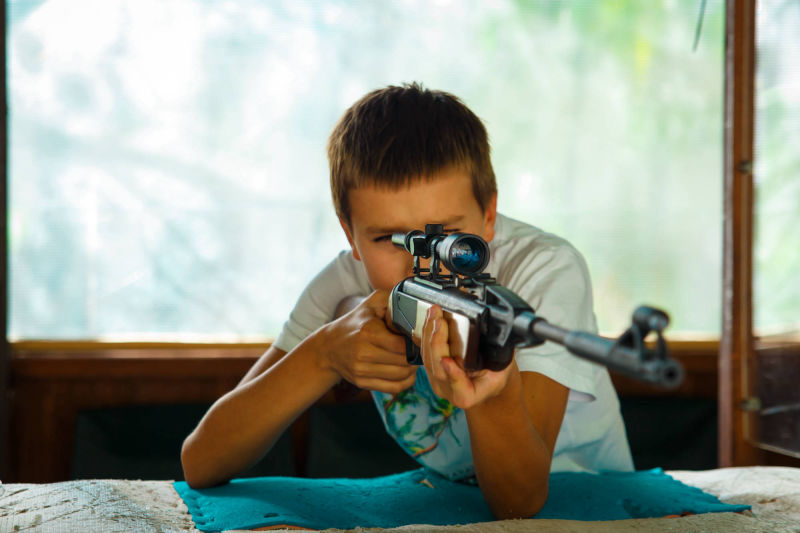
[644, 365]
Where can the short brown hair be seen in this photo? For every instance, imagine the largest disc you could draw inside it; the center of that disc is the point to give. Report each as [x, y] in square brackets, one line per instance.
[395, 135]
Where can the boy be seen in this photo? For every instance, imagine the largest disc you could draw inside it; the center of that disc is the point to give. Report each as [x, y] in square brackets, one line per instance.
[399, 158]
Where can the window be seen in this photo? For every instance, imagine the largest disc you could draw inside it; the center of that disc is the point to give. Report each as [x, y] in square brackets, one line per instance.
[775, 368]
[776, 254]
[167, 166]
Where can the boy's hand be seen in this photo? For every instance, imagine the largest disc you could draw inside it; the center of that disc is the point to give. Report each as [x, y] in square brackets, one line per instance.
[448, 377]
[362, 350]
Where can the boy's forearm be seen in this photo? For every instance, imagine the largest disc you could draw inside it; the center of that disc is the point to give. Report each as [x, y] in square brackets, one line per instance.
[245, 423]
[512, 461]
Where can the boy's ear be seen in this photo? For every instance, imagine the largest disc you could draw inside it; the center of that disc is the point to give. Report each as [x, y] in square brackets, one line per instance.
[489, 218]
[349, 233]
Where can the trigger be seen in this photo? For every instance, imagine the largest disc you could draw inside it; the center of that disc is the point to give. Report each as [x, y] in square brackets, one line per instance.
[413, 354]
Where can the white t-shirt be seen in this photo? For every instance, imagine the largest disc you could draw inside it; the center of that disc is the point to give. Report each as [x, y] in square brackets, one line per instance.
[551, 275]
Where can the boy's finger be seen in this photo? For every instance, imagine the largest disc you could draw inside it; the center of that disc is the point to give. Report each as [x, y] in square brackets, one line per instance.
[387, 385]
[436, 342]
[380, 356]
[378, 334]
[463, 388]
[425, 351]
[391, 342]
[391, 372]
[378, 301]
[453, 371]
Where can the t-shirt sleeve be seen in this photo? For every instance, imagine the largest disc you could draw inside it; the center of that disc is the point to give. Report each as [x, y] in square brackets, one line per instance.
[555, 282]
[342, 277]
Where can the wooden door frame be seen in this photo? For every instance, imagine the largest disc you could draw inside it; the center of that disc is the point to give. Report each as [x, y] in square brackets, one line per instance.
[737, 343]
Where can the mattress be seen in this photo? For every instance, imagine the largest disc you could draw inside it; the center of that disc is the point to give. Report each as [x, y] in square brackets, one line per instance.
[136, 505]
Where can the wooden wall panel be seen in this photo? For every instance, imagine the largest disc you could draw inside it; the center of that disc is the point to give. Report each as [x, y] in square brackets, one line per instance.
[52, 382]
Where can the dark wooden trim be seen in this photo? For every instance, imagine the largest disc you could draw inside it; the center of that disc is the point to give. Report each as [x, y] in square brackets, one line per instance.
[147, 360]
[26, 348]
[86, 360]
[53, 381]
[700, 364]
[51, 385]
[736, 347]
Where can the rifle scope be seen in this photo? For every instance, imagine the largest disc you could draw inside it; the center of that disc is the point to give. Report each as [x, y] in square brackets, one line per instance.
[465, 254]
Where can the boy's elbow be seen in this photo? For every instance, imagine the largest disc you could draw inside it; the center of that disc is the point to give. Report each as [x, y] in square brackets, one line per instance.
[192, 481]
[518, 508]
[193, 472]
[197, 482]
[191, 478]
[189, 471]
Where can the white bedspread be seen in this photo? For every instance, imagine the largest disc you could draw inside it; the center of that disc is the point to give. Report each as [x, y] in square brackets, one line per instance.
[153, 506]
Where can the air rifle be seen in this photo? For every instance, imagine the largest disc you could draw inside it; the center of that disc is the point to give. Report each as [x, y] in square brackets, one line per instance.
[487, 321]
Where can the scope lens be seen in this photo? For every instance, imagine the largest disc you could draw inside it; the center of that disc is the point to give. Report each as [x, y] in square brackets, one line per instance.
[464, 254]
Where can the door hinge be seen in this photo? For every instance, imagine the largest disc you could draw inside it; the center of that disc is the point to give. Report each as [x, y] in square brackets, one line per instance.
[750, 404]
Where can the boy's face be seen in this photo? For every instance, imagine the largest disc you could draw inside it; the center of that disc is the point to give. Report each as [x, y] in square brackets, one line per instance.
[376, 213]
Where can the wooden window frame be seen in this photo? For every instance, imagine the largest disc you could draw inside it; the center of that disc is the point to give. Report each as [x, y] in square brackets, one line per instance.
[736, 344]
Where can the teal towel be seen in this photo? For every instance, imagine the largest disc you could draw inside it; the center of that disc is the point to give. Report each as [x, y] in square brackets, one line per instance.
[423, 497]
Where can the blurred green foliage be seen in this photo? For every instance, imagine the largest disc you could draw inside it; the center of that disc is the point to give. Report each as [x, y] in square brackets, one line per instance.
[167, 165]
[776, 269]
